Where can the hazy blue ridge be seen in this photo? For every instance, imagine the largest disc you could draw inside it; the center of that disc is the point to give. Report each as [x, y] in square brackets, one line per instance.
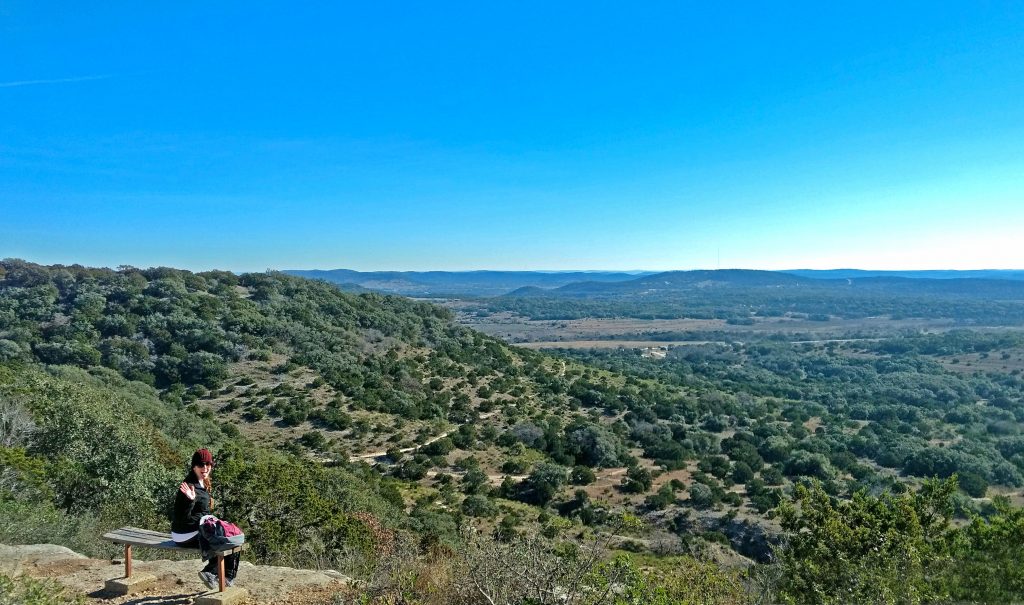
[685, 280]
[707, 281]
[472, 283]
[1011, 274]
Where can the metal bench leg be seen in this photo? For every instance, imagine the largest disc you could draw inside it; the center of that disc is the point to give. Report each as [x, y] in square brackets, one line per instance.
[220, 571]
[127, 560]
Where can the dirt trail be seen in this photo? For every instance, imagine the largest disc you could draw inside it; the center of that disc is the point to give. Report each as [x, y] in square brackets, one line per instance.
[406, 450]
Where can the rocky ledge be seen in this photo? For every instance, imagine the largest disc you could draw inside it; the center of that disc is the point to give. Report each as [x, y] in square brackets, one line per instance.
[177, 581]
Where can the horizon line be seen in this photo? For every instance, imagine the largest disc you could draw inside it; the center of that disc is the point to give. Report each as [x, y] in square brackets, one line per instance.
[485, 270]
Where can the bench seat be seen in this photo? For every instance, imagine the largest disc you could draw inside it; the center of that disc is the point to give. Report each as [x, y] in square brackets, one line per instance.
[144, 537]
[134, 536]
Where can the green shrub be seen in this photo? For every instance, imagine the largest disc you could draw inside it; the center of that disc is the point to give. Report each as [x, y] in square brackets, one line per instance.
[24, 590]
[478, 506]
[582, 475]
[283, 502]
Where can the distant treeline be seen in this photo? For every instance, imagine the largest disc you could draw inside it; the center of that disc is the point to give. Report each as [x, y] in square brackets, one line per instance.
[738, 307]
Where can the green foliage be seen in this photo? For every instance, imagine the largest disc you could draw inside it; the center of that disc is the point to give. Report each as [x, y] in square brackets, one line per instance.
[23, 477]
[475, 481]
[284, 503]
[99, 455]
[702, 496]
[476, 505]
[986, 557]
[105, 445]
[582, 475]
[31, 521]
[24, 590]
[889, 410]
[736, 299]
[741, 472]
[974, 484]
[865, 549]
[809, 464]
[542, 484]
[638, 480]
[592, 445]
[176, 329]
[620, 582]
[664, 497]
[761, 496]
[898, 549]
[203, 368]
[440, 447]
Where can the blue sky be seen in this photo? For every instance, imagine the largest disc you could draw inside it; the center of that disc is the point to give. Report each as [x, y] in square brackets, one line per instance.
[514, 135]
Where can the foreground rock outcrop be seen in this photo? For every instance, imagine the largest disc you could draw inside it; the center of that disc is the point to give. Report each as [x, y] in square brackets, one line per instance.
[177, 581]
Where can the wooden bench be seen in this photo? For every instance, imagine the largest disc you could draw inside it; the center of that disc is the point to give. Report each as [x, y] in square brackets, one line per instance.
[133, 536]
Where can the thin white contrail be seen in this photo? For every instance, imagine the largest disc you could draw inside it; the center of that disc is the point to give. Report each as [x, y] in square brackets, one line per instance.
[55, 81]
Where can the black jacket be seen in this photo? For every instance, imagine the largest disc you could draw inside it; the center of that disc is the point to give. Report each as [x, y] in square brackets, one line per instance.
[188, 512]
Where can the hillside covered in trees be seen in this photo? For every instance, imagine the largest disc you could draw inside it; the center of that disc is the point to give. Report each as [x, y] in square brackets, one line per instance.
[994, 300]
[343, 422]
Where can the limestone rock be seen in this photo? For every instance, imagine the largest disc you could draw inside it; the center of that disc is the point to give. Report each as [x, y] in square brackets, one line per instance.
[176, 580]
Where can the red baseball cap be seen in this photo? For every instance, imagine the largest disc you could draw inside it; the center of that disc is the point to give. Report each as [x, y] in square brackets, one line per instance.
[202, 456]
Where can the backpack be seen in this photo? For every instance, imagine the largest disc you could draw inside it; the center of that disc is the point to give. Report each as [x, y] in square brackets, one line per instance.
[218, 533]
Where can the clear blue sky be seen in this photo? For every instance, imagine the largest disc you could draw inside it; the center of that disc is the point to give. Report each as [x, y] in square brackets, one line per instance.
[513, 135]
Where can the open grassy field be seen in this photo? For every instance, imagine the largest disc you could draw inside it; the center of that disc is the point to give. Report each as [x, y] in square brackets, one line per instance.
[1003, 361]
[610, 344]
[632, 333]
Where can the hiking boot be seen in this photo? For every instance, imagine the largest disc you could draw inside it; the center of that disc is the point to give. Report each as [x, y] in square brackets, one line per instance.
[209, 579]
[229, 582]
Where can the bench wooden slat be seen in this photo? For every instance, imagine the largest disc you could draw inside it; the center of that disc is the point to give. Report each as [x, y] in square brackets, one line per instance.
[155, 539]
[141, 537]
[136, 533]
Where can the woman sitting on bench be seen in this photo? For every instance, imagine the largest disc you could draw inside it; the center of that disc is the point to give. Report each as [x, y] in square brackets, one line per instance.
[192, 502]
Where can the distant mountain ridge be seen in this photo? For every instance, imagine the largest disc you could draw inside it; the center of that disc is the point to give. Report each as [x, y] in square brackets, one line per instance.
[532, 283]
[459, 283]
[1011, 274]
[672, 283]
[738, 294]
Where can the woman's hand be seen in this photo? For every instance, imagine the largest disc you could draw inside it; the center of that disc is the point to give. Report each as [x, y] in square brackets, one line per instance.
[187, 489]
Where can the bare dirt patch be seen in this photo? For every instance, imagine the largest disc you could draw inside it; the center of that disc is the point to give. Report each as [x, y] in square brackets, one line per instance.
[1000, 362]
[610, 344]
[684, 475]
[604, 487]
[177, 581]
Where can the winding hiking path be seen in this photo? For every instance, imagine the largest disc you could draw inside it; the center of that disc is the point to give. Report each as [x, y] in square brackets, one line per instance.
[406, 450]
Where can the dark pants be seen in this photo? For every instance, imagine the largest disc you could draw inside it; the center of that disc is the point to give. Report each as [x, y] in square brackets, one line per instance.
[230, 561]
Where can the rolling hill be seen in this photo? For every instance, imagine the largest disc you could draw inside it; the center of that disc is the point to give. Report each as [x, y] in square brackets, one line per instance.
[459, 283]
[345, 421]
[741, 294]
